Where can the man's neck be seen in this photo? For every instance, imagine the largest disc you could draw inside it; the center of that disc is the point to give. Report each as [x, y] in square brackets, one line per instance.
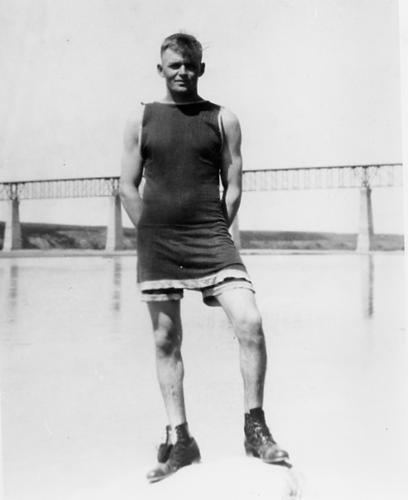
[172, 98]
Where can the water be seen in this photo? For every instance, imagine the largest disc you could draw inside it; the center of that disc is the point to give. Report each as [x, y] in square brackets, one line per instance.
[80, 406]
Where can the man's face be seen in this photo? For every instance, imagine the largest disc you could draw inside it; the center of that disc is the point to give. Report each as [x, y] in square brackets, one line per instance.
[181, 71]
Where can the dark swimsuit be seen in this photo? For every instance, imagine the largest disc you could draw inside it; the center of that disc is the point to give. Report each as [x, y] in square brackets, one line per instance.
[183, 238]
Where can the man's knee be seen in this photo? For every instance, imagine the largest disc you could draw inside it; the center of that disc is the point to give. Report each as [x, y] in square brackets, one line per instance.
[167, 342]
[248, 326]
[167, 330]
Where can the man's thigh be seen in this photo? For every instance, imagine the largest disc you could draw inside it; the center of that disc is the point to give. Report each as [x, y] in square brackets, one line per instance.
[165, 315]
[239, 305]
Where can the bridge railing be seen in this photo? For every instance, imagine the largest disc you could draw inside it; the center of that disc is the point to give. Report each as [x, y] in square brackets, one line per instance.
[332, 177]
[88, 187]
[364, 177]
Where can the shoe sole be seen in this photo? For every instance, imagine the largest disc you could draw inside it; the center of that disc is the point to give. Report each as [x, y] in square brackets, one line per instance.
[251, 452]
[157, 479]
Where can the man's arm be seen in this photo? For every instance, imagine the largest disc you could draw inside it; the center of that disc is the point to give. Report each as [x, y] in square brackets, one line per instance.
[231, 170]
[132, 170]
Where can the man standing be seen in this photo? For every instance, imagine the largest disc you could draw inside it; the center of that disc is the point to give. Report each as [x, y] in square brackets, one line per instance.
[183, 145]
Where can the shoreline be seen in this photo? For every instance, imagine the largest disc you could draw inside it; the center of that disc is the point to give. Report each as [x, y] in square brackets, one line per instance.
[41, 239]
[55, 253]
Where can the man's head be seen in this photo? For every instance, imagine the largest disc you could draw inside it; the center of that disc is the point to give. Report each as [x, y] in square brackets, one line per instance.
[181, 64]
[183, 43]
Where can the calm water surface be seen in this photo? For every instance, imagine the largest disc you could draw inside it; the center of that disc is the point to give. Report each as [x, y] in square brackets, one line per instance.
[80, 407]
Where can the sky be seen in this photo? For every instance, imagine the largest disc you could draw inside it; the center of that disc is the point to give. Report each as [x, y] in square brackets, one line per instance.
[313, 82]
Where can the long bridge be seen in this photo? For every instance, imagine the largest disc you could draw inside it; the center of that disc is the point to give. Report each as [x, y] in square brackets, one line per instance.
[363, 177]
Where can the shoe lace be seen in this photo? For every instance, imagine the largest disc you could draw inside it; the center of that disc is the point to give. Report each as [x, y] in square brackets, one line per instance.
[178, 452]
[263, 433]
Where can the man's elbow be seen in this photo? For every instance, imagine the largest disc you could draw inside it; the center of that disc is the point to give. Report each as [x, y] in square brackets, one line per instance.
[126, 190]
[234, 193]
[122, 190]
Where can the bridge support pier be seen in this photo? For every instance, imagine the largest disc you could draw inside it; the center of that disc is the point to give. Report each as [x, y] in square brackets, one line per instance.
[234, 229]
[12, 228]
[114, 233]
[366, 227]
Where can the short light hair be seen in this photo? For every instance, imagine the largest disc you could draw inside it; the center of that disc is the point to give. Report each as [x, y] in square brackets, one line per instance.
[184, 44]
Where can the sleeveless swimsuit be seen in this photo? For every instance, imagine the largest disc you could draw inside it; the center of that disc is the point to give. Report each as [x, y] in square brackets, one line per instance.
[183, 239]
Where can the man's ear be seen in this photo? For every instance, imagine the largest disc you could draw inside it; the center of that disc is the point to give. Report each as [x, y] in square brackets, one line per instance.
[160, 69]
[202, 69]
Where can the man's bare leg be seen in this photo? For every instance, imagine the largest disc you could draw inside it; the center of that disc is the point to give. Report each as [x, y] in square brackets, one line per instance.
[240, 306]
[167, 331]
[241, 309]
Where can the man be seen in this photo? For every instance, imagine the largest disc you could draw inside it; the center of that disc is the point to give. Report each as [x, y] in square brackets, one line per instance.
[183, 145]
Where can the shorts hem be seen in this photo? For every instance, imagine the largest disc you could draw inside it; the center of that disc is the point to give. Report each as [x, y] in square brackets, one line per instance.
[161, 297]
[210, 295]
[194, 283]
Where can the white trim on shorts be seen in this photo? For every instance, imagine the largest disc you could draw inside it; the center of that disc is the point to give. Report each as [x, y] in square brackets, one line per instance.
[195, 283]
[210, 286]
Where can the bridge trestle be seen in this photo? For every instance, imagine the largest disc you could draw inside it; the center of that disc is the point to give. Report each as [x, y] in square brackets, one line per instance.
[366, 226]
[12, 228]
[364, 177]
[114, 233]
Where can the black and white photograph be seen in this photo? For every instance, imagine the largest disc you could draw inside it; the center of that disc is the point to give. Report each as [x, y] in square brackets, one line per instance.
[203, 276]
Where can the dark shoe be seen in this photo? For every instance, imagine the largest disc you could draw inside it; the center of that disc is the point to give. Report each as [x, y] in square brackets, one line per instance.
[184, 452]
[259, 441]
[163, 452]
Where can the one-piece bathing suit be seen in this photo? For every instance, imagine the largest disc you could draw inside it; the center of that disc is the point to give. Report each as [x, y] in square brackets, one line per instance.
[183, 240]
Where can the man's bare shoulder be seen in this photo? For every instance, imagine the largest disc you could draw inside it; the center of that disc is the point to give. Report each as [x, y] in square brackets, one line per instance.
[134, 122]
[229, 119]
[135, 117]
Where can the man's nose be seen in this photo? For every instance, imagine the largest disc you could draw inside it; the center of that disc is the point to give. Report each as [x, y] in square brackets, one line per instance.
[182, 69]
